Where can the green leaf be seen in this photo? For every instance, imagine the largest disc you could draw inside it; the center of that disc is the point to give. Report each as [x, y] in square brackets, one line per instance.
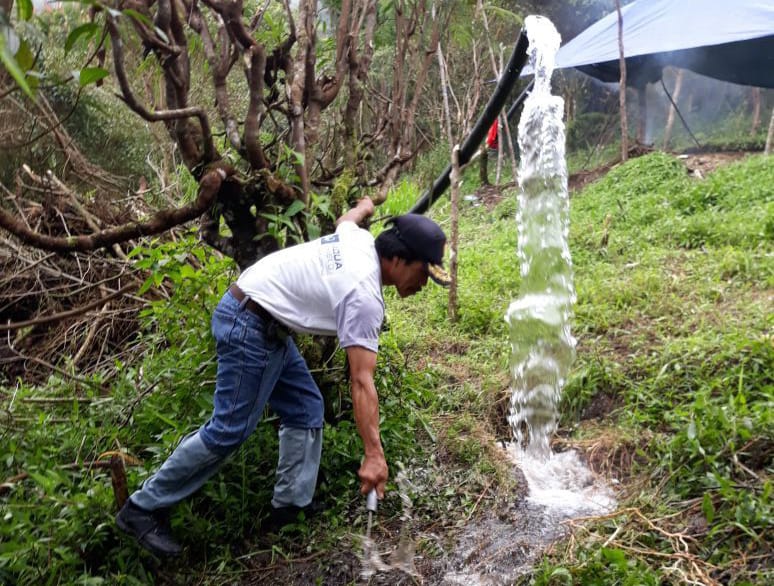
[86, 31]
[617, 557]
[145, 286]
[708, 508]
[506, 15]
[135, 251]
[24, 9]
[562, 573]
[294, 208]
[9, 62]
[138, 16]
[91, 74]
[163, 418]
[24, 57]
[314, 231]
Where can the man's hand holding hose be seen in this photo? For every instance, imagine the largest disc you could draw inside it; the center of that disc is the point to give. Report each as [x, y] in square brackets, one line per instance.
[373, 474]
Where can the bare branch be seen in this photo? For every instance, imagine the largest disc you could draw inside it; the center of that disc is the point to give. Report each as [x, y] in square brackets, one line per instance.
[209, 186]
[259, 16]
[128, 96]
[383, 173]
[65, 314]
[326, 89]
[256, 109]
[220, 67]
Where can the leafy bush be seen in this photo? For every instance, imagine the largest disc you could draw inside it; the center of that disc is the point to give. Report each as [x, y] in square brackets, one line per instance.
[58, 521]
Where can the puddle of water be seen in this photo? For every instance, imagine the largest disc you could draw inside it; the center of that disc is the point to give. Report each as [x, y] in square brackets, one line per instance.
[563, 485]
[499, 550]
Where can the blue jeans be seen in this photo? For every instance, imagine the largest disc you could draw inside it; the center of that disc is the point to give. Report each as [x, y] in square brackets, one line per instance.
[254, 369]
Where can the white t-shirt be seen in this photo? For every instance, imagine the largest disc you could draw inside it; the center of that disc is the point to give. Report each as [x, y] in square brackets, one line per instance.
[329, 286]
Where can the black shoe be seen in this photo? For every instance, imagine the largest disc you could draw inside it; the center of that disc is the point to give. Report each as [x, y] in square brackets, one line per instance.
[150, 528]
[283, 516]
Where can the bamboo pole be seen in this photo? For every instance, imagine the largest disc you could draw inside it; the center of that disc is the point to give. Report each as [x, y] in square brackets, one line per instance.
[622, 87]
[455, 187]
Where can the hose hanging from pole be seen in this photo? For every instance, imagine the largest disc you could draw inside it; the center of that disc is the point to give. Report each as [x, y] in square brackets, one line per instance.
[494, 106]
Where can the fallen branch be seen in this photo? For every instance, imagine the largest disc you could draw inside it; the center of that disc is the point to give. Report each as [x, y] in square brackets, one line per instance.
[160, 222]
[65, 314]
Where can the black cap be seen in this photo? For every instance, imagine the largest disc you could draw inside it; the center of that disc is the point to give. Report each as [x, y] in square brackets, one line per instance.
[425, 239]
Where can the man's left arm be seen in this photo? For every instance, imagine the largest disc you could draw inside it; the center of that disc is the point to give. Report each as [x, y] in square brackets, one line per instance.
[364, 209]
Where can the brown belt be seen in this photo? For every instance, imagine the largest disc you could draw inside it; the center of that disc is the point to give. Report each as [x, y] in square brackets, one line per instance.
[250, 305]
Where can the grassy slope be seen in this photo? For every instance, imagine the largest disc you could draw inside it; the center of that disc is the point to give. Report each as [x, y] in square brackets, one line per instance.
[674, 280]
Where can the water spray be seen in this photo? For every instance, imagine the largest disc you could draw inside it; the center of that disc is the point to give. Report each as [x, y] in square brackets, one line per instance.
[542, 348]
[402, 558]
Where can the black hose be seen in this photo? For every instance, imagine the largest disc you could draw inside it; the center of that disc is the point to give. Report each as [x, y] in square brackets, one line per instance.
[494, 106]
[522, 96]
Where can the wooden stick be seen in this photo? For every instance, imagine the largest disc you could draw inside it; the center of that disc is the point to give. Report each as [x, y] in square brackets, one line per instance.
[65, 314]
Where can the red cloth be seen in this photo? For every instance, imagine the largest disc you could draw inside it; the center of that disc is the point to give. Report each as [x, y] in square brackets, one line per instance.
[491, 137]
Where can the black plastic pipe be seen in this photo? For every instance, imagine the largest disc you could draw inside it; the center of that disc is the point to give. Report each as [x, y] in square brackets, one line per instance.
[494, 106]
[522, 96]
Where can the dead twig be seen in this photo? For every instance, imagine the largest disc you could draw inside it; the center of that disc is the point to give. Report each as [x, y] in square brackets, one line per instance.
[65, 314]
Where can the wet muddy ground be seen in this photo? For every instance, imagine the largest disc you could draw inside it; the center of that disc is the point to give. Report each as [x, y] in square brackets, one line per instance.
[496, 547]
[493, 548]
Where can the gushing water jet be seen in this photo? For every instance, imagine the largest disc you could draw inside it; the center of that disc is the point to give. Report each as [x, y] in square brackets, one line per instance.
[542, 347]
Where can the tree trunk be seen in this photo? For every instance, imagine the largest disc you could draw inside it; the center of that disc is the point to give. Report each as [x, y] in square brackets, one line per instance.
[358, 73]
[483, 165]
[417, 34]
[770, 137]
[622, 87]
[302, 70]
[497, 71]
[511, 149]
[454, 213]
[672, 110]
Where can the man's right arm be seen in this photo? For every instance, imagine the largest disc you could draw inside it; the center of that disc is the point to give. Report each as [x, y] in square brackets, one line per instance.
[373, 471]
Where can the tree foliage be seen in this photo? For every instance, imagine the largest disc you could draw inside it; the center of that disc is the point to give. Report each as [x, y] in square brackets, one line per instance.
[260, 121]
[266, 105]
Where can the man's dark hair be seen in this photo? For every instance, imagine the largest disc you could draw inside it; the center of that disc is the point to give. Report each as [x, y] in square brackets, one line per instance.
[389, 245]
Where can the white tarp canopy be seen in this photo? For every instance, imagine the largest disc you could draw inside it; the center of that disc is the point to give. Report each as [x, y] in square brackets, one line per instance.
[732, 41]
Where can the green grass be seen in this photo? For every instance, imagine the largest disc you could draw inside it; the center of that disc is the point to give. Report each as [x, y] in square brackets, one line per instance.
[673, 319]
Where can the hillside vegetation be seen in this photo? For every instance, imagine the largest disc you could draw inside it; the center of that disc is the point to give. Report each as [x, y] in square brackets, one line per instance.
[671, 395]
